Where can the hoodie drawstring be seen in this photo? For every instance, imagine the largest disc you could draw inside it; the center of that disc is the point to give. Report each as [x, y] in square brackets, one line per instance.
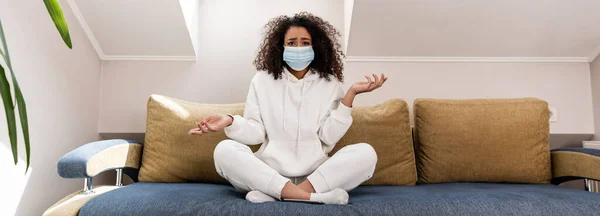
[299, 117]
[285, 95]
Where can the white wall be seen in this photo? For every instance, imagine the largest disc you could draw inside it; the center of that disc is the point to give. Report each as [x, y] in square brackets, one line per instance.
[190, 13]
[61, 89]
[348, 9]
[138, 28]
[475, 28]
[227, 48]
[564, 85]
[595, 80]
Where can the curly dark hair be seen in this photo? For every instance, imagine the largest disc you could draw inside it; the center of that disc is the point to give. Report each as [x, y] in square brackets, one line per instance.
[328, 51]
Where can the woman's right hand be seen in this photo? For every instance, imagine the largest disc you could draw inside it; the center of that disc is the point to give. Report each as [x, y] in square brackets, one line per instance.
[213, 123]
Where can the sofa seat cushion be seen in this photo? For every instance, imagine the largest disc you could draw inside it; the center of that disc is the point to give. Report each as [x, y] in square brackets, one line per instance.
[433, 199]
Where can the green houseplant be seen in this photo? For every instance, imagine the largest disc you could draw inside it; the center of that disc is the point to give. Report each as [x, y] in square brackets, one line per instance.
[58, 18]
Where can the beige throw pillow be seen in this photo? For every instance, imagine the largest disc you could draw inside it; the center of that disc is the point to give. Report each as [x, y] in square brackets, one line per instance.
[170, 154]
[387, 128]
[482, 140]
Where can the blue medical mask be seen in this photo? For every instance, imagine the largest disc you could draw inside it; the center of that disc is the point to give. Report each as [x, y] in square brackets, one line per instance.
[298, 58]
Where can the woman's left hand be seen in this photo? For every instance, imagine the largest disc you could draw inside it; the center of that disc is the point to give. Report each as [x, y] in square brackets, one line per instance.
[369, 85]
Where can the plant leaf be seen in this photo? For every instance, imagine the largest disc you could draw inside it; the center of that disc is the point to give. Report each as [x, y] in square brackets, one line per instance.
[58, 18]
[9, 110]
[6, 56]
[20, 103]
[24, 123]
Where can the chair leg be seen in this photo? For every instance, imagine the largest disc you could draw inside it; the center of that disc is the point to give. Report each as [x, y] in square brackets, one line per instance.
[87, 186]
[588, 185]
[119, 177]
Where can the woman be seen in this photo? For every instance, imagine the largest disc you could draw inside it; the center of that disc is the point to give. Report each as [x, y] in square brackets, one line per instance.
[298, 111]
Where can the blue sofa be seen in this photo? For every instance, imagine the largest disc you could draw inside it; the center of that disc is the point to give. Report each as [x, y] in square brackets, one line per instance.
[448, 198]
[142, 198]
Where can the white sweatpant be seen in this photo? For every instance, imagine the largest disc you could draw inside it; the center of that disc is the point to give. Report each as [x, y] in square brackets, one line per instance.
[346, 169]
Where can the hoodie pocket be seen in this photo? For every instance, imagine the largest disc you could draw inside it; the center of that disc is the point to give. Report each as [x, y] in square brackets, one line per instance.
[311, 150]
[278, 151]
[283, 152]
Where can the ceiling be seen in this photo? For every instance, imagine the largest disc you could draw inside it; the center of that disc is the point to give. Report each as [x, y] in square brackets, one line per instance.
[475, 28]
[135, 27]
[393, 29]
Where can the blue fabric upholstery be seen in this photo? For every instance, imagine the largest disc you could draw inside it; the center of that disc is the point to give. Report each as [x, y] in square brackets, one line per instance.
[589, 151]
[434, 199]
[74, 163]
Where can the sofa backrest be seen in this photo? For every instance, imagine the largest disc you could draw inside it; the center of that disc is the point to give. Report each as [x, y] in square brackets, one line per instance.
[499, 140]
[484, 140]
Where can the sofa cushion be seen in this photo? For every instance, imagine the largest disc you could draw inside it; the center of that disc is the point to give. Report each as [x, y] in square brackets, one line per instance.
[434, 199]
[387, 128]
[483, 140]
[170, 154]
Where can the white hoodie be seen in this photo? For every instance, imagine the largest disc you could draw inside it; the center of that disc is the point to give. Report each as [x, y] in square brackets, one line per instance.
[297, 121]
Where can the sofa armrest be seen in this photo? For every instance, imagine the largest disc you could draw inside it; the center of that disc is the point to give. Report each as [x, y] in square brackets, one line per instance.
[575, 163]
[94, 158]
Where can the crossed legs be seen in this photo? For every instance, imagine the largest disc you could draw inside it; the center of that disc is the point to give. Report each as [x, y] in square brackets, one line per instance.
[347, 169]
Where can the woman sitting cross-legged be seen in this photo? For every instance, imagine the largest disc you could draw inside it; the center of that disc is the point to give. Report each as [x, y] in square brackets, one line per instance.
[297, 110]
